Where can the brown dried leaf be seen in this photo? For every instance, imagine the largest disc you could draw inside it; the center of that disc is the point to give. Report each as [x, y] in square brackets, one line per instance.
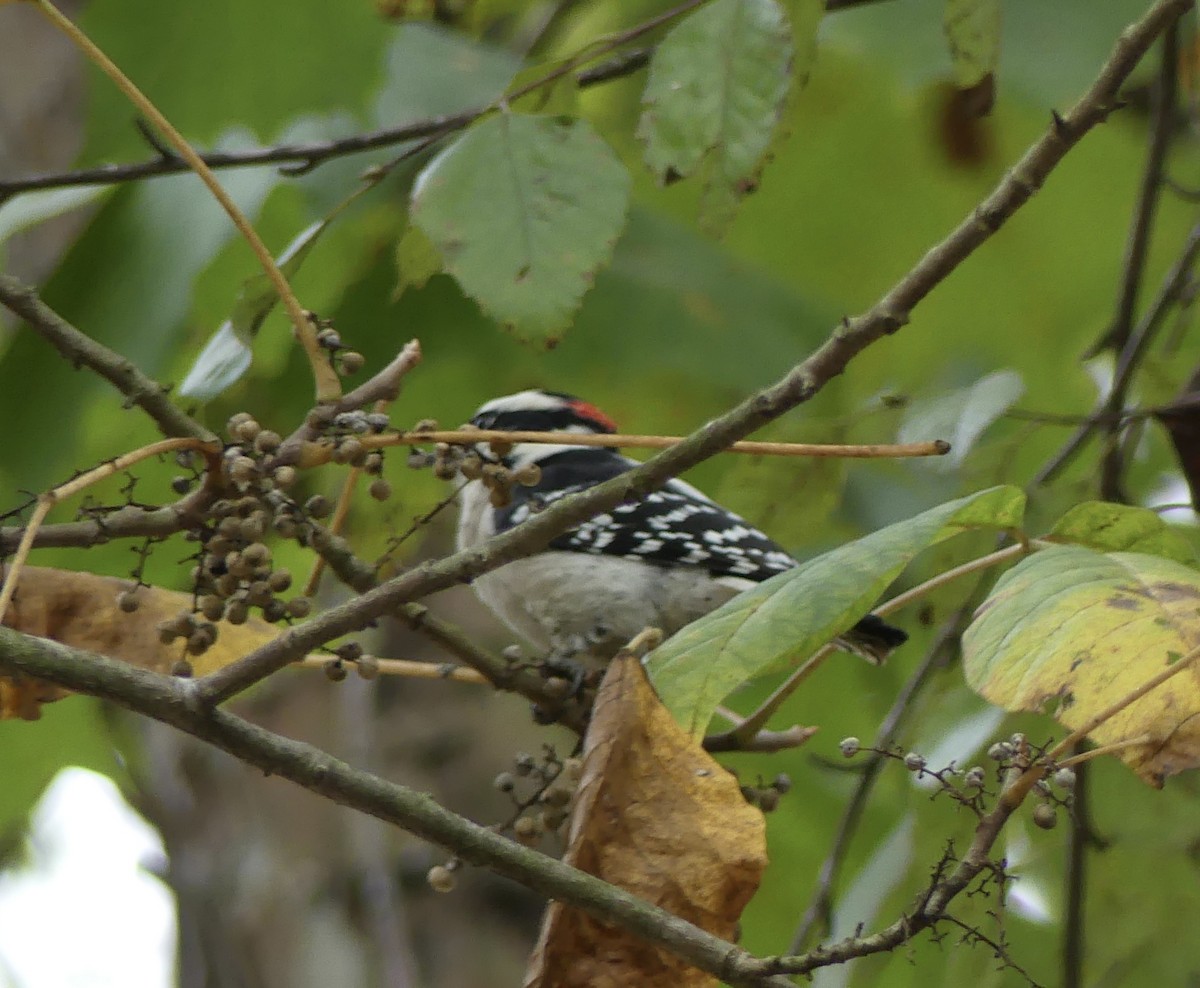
[80, 609]
[658, 817]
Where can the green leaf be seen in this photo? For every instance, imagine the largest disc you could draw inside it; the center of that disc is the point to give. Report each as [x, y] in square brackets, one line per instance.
[973, 35]
[961, 416]
[1080, 630]
[227, 355]
[417, 260]
[1122, 528]
[31, 208]
[716, 89]
[524, 210]
[790, 615]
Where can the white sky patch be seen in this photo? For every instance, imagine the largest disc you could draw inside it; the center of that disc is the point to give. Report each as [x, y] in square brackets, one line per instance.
[1173, 489]
[84, 911]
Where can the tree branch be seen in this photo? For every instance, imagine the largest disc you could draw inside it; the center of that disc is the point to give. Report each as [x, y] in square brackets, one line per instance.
[174, 702]
[799, 385]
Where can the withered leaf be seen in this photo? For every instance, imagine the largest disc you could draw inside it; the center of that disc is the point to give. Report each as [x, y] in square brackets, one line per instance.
[658, 817]
[80, 609]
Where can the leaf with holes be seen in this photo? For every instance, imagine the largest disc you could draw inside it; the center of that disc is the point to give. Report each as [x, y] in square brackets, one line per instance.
[1077, 630]
[790, 615]
[716, 89]
[524, 210]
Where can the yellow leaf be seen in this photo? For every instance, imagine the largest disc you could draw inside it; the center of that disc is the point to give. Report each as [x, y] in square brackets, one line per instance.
[1078, 631]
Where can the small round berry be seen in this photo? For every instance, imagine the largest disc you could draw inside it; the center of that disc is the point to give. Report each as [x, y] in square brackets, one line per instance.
[1045, 816]
[349, 651]
[850, 747]
[198, 643]
[127, 601]
[557, 687]
[352, 361]
[974, 777]
[782, 783]
[299, 607]
[235, 422]
[1064, 778]
[274, 610]
[329, 338]
[181, 485]
[378, 421]
[1001, 751]
[914, 762]
[367, 666]
[524, 763]
[527, 830]
[768, 800]
[284, 476]
[504, 782]
[335, 670]
[318, 506]
[441, 879]
[380, 489]
[267, 441]
[237, 611]
[212, 607]
[320, 418]
[556, 796]
[182, 668]
[528, 475]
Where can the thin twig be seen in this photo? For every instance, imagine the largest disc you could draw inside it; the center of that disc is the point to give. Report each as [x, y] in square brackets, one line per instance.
[1130, 348]
[306, 157]
[47, 501]
[820, 905]
[1173, 285]
[799, 385]
[328, 386]
[407, 669]
[936, 447]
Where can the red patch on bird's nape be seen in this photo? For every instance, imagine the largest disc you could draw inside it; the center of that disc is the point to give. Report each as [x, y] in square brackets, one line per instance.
[590, 413]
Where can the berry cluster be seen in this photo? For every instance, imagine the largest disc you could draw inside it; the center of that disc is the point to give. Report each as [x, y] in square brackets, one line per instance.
[1013, 757]
[541, 790]
[474, 464]
[234, 572]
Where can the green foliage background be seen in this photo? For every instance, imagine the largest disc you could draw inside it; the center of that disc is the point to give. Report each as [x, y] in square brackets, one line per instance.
[677, 327]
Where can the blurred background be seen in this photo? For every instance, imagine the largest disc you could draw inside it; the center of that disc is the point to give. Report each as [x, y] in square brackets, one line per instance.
[875, 161]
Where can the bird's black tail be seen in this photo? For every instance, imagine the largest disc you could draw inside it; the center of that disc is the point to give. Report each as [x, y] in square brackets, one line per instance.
[872, 639]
